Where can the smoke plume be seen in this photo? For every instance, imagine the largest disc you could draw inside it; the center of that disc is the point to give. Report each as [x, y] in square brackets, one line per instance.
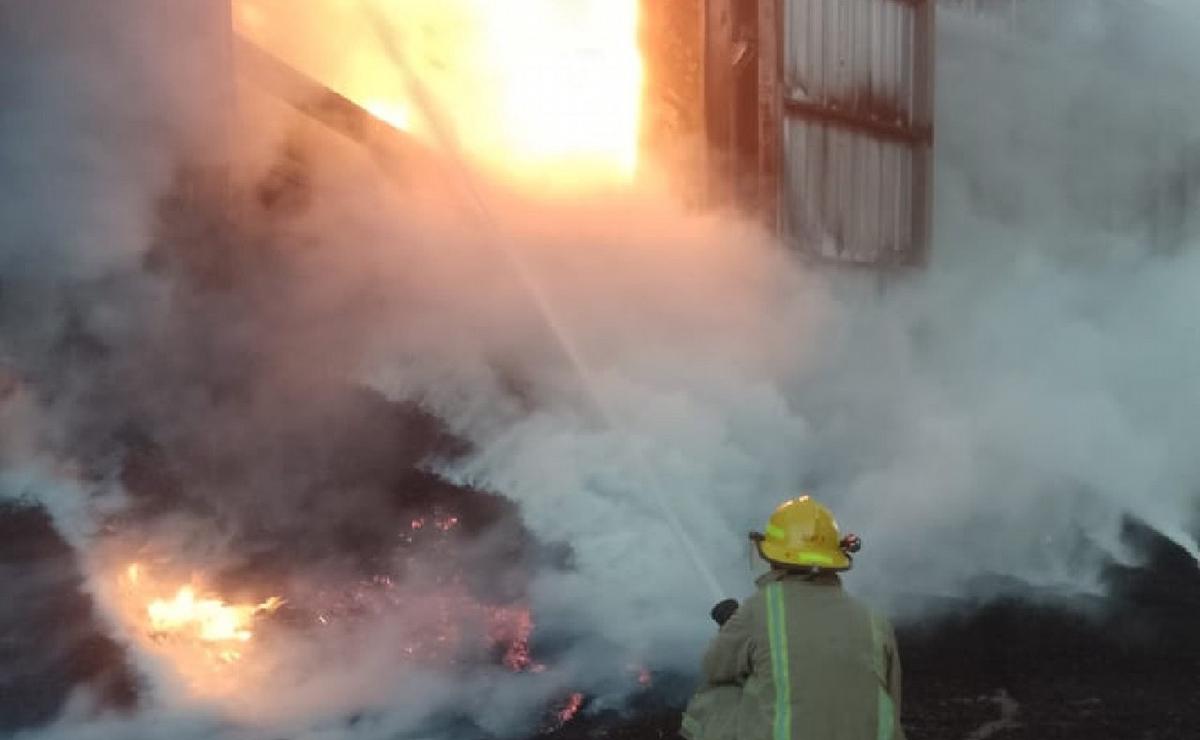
[248, 352]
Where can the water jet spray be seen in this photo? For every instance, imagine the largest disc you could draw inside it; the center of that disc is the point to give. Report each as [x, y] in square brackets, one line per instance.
[447, 141]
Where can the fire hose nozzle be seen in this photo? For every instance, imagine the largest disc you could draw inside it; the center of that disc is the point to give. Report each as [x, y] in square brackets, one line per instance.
[723, 611]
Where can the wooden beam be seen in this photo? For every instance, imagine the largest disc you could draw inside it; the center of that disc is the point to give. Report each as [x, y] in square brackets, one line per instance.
[770, 114]
[924, 36]
[397, 153]
[718, 98]
[858, 122]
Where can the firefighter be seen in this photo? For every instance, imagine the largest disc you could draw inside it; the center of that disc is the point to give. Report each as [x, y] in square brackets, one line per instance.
[800, 658]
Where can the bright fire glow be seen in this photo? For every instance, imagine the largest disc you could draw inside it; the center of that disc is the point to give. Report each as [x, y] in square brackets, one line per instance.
[209, 619]
[545, 91]
[204, 621]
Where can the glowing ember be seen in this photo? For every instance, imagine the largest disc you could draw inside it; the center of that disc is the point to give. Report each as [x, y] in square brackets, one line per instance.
[572, 707]
[536, 89]
[393, 114]
[210, 642]
[512, 627]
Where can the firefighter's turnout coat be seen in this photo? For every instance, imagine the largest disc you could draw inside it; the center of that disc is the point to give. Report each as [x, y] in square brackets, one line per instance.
[800, 660]
[712, 713]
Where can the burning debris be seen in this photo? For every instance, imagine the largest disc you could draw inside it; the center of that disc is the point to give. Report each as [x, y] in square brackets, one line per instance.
[194, 614]
[314, 467]
[570, 709]
[421, 585]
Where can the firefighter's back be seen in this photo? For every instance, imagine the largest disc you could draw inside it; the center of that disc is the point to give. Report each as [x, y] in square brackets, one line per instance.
[823, 665]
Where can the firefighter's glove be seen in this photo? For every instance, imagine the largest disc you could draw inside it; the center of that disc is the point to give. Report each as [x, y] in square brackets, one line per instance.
[723, 611]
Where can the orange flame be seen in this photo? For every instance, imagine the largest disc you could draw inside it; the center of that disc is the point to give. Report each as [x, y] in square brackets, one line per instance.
[208, 619]
[538, 90]
[187, 616]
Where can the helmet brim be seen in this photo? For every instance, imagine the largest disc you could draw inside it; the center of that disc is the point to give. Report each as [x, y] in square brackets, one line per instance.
[779, 554]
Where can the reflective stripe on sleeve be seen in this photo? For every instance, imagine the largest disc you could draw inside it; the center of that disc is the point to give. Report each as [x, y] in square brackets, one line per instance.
[777, 632]
[886, 707]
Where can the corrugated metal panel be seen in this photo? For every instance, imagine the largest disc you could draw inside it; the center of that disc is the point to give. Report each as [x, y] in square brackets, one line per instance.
[857, 114]
[853, 54]
[1005, 11]
[851, 195]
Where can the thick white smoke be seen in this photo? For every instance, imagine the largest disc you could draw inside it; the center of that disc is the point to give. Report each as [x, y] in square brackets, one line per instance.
[995, 414]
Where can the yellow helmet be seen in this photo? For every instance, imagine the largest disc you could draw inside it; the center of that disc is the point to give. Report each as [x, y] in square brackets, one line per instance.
[803, 533]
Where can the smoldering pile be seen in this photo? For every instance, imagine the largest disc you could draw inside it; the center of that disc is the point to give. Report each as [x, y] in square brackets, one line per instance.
[186, 429]
[242, 453]
[203, 400]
